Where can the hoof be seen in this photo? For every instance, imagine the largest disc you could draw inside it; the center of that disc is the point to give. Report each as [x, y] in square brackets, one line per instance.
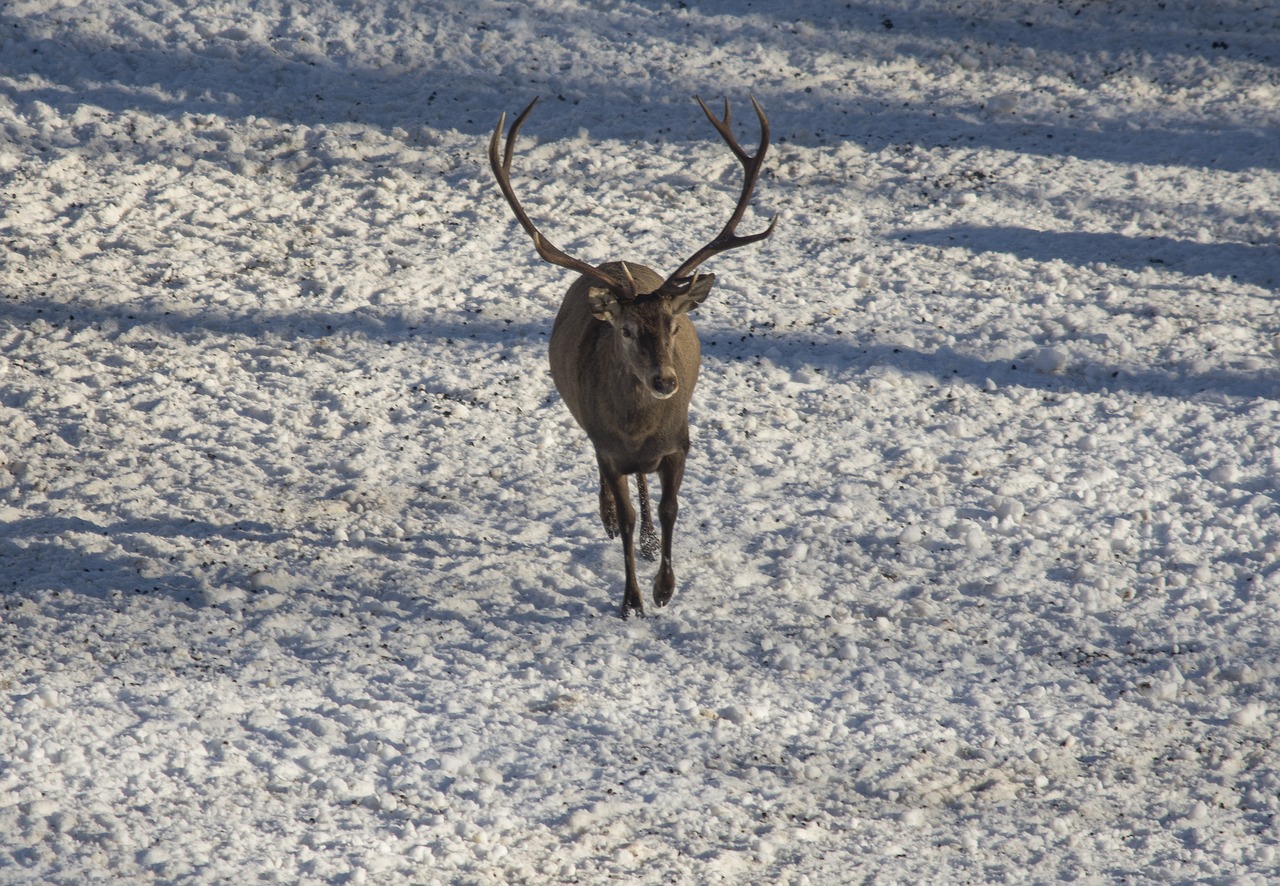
[627, 609]
[632, 601]
[611, 527]
[664, 585]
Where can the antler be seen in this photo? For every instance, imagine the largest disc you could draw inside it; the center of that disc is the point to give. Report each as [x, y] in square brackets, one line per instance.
[546, 249]
[751, 166]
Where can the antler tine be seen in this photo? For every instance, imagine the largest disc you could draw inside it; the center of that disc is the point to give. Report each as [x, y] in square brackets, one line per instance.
[728, 237]
[724, 127]
[548, 251]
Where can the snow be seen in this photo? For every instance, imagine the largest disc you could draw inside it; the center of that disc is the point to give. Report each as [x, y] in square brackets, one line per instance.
[978, 559]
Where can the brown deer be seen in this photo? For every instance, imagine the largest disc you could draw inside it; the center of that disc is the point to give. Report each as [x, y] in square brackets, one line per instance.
[625, 358]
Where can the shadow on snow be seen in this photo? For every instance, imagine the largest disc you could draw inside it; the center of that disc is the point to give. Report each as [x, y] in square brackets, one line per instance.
[240, 78]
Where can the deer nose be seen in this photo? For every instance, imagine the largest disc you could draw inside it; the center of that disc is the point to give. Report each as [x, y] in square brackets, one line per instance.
[664, 385]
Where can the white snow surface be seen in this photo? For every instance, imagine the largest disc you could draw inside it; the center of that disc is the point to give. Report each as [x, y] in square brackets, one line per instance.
[301, 576]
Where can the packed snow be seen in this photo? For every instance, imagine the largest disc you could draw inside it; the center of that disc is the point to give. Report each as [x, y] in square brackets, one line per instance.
[301, 574]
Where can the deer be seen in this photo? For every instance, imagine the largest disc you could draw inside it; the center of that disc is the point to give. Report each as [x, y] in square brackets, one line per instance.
[625, 358]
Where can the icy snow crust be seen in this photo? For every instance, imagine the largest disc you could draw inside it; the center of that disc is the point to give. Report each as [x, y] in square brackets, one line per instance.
[300, 569]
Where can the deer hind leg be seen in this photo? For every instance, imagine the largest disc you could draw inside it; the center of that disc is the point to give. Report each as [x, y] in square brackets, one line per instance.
[648, 535]
[671, 470]
[615, 485]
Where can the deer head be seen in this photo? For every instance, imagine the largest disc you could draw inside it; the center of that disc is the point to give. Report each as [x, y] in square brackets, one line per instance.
[645, 329]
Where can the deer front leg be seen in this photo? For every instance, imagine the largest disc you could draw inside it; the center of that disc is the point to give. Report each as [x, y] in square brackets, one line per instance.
[608, 510]
[648, 537]
[616, 484]
[671, 470]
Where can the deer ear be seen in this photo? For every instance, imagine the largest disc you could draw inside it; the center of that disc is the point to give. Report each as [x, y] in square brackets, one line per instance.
[604, 304]
[696, 293]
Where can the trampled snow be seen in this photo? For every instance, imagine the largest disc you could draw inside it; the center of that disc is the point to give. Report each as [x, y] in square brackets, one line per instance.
[978, 561]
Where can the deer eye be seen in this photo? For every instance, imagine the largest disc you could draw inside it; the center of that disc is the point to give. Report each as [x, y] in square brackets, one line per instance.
[626, 332]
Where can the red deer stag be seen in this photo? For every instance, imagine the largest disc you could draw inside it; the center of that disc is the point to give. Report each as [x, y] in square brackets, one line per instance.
[625, 358]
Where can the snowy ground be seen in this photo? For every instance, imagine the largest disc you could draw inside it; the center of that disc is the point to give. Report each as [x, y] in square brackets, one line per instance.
[979, 555]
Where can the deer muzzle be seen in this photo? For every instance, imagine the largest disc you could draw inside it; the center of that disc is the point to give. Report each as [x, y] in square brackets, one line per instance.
[664, 384]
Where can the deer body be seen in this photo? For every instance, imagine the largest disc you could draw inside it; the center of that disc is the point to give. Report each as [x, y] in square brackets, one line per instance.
[625, 359]
[616, 388]
[630, 426]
